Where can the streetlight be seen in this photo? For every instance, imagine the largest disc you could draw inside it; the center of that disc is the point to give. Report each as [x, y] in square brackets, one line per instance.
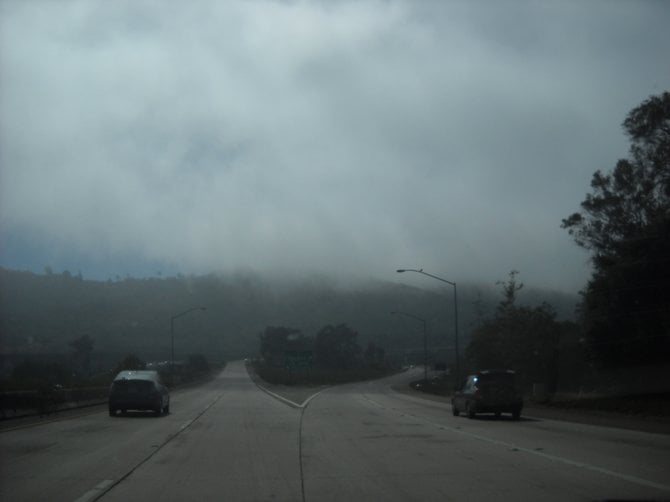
[420, 271]
[425, 343]
[172, 338]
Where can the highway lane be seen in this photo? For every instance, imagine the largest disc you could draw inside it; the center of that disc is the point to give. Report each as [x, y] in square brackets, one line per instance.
[226, 437]
[245, 447]
[365, 442]
[227, 440]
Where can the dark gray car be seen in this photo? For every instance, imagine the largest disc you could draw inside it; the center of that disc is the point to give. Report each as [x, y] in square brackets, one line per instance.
[138, 390]
[488, 391]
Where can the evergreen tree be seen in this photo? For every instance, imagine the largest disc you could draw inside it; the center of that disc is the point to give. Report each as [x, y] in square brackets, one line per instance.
[625, 224]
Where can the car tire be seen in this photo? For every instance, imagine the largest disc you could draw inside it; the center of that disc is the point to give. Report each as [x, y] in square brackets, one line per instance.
[455, 410]
[516, 413]
[497, 414]
[470, 410]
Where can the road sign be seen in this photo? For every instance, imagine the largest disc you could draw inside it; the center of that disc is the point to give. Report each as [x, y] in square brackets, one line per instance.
[298, 359]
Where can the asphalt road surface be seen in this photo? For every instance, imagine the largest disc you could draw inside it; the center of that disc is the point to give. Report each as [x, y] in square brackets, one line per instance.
[229, 440]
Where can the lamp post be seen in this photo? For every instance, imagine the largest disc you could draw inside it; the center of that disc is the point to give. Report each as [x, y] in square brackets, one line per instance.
[172, 338]
[425, 342]
[458, 359]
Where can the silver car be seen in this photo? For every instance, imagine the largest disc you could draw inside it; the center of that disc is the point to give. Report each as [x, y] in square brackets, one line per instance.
[138, 390]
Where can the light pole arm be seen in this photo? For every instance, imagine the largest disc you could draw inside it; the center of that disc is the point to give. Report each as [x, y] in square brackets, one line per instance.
[420, 271]
[186, 312]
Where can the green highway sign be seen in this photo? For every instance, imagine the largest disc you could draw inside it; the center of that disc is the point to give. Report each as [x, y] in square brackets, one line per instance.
[298, 359]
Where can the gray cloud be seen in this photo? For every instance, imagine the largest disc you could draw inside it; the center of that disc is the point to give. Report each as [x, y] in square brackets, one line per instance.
[341, 137]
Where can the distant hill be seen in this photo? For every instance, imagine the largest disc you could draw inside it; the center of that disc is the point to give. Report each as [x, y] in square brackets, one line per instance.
[42, 313]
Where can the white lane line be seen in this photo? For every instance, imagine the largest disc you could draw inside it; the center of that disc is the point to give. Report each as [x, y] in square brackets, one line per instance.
[293, 404]
[307, 401]
[281, 398]
[96, 491]
[555, 458]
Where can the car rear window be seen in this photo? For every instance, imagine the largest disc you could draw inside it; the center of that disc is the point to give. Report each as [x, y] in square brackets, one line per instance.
[506, 379]
[133, 386]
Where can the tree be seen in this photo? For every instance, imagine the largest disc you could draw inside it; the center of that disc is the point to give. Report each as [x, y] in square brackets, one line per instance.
[517, 337]
[625, 224]
[131, 363]
[199, 363]
[373, 355]
[276, 341]
[41, 373]
[336, 347]
[83, 347]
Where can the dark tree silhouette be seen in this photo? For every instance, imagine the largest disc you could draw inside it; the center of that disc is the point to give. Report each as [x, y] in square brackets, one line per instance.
[625, 224]
[132, 363]
[518, 337]
[83, 347]
[336, 347]
[276, 341]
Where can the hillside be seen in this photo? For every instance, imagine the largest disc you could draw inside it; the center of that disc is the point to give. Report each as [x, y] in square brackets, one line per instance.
[41, 313]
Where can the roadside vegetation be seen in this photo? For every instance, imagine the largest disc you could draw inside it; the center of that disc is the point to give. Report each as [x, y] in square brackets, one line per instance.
[624, 223]
[331, 356]
[616, 356]
[44, 386]
[524, 338]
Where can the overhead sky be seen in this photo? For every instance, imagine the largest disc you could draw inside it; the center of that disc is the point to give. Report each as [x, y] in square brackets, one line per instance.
[285, 137]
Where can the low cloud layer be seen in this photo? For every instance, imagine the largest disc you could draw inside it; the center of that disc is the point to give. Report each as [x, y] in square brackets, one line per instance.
[346, 138]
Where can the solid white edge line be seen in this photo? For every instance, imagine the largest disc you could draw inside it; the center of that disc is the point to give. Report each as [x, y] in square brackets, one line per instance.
[280, 398]
[293, 404]
[307, 401]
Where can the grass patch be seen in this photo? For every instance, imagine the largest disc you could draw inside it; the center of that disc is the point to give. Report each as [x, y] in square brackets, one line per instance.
[657, 404]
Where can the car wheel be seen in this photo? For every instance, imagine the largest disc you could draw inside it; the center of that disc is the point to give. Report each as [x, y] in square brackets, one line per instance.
[497, 414]
[166, 410]
[516, 414]
[455, 410]
[158, 411]
[470, 410]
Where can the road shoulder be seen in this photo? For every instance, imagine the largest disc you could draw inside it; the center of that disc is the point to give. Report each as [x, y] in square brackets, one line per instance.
[656, 425]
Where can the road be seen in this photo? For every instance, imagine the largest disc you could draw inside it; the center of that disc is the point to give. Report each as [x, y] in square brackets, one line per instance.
[228, 440]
